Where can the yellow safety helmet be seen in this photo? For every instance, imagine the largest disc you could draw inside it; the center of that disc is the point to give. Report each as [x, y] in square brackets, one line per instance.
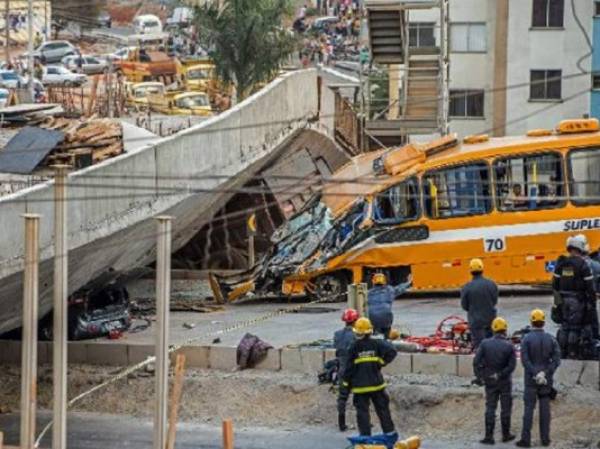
[537, 316]
[379, 279]
[413, 442]
[363, 326]
[476, 265]
[394, 334]
[499, 325]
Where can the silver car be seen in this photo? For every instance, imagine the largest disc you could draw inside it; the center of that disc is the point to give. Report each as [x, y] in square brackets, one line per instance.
[54, 51]
[89, 65]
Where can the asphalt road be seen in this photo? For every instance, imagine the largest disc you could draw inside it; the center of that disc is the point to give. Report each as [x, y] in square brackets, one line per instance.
[94, 431]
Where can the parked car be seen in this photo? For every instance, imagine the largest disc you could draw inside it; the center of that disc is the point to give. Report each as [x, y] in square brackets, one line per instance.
[90, 65]
[54, 51]
[104, 20]
[120, 55]
[9, 79]
[147, 24]
[59, 75]
[321, 24]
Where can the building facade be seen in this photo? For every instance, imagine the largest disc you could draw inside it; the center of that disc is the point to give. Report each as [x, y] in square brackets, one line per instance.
[516, 65]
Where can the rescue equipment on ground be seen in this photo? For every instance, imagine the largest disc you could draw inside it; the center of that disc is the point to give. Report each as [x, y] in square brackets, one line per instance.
[452, 335]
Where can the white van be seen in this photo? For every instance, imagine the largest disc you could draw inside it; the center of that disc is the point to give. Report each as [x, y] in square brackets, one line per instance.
[147, 24]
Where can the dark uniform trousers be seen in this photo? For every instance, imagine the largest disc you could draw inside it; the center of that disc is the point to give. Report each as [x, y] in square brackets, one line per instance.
[342, 399]
[478, 334]
[501, 392]
[531, 395]
[381, 402]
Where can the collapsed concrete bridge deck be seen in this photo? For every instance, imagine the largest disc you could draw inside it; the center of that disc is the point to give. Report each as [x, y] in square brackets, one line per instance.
[189, 175]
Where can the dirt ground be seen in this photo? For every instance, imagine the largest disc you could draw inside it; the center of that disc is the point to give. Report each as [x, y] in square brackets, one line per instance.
[441, 408]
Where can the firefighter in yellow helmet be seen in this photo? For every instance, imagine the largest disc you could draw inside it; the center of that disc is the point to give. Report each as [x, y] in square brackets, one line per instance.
[493, 365]
[479, 299]
[380, 300]
[367, 356]
[540, 355]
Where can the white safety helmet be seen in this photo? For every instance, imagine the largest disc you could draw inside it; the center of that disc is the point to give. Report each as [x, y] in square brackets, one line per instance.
[578, 242]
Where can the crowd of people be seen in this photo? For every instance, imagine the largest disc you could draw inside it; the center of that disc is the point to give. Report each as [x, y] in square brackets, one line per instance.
[333, 36]
[576, 284]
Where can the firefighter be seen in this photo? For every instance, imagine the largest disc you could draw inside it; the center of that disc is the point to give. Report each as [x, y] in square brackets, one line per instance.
[540, 355]
[342, 340]
[367, 356]
[574, 300]
[380, 299]
[594, 265]
[479, 298]
[493, 365]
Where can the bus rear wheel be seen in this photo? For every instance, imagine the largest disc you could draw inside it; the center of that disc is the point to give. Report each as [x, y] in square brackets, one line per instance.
[330, 287]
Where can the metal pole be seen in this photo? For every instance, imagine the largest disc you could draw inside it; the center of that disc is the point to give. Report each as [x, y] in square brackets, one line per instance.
[29, 337]
[30, 46]
[163, 290]
[59, 432]
[7, 29]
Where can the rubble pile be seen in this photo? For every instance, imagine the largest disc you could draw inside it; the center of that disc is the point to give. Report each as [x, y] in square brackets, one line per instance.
[86, 142]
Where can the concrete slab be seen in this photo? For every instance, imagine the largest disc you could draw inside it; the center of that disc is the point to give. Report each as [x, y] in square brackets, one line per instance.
[302, 360]
[106, 354]
[195, 356]
[577, 372]
[465, 366]
[137, 353]
[77, 352]
[402, 364]
[329, 354]
[272, 362]
[222, 358]
[441, 364]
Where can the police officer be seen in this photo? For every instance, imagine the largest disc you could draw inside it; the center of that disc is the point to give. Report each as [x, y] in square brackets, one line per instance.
[575, 299]
[594, 265]
[493, 365]
[342, 340]
[380, 299]
[540, 355]
[367, 356]
[479, 298]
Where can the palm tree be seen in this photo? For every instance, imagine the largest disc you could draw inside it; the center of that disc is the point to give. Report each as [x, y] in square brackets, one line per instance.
[246, 39]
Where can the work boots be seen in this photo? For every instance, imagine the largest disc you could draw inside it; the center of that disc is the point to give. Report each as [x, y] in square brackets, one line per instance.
[489, 435]
[506, 435]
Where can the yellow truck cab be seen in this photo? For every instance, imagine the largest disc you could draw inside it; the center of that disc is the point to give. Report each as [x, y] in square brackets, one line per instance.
[200, 77]
[182, 103]
[138, 93]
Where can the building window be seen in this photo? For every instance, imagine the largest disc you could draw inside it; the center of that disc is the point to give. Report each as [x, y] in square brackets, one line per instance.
[545, 85]
[468, 37]
[421, 34]
[529, 183]
[596, 81]
[548, 13]
[585, 176]
[466, 103]
[457, 191]
[597, 8]
[398, 204]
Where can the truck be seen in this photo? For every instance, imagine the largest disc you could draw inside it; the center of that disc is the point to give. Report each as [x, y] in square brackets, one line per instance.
[181, 103]
[142, 65]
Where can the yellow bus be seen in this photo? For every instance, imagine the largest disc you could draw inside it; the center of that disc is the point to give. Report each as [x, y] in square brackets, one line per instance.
[425, 210]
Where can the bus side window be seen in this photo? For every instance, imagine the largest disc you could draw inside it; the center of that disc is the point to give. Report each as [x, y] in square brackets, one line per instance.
[397, 204]
[584, 177]
[457, 191]
[529, 182]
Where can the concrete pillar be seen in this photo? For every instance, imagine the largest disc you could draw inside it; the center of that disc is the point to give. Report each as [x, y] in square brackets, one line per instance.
[163, 291]
[61, 288]
[29, 336]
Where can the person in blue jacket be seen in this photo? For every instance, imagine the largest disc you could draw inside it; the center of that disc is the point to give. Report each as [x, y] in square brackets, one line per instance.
[380, 299]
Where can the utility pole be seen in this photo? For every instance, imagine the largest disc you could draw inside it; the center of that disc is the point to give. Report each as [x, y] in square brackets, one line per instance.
[30, 47]
[29, 336]
[61, 291]
[163, 291]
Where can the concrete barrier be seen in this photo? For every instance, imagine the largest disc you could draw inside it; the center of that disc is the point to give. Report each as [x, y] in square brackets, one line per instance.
[465, 366]
[302, 360]
[222, 358]
[198, 356]
[272, 362]
[442, 364]
[577, 372]
[402, 364]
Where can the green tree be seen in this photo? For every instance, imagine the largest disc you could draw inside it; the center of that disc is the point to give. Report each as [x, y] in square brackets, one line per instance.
[246, 39]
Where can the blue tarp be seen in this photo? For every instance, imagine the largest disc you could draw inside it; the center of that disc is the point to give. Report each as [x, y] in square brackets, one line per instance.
[387, 440]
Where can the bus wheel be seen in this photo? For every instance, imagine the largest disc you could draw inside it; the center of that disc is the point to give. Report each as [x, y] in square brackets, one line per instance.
[330, 288]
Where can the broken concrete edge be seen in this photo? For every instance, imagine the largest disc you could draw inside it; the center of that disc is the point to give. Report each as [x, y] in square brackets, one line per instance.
[299, 360]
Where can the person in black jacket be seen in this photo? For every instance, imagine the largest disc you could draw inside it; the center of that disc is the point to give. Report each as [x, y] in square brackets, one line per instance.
[540, 355]
[479, 299]
[364, 378]
[493, 365]
[342, 341]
